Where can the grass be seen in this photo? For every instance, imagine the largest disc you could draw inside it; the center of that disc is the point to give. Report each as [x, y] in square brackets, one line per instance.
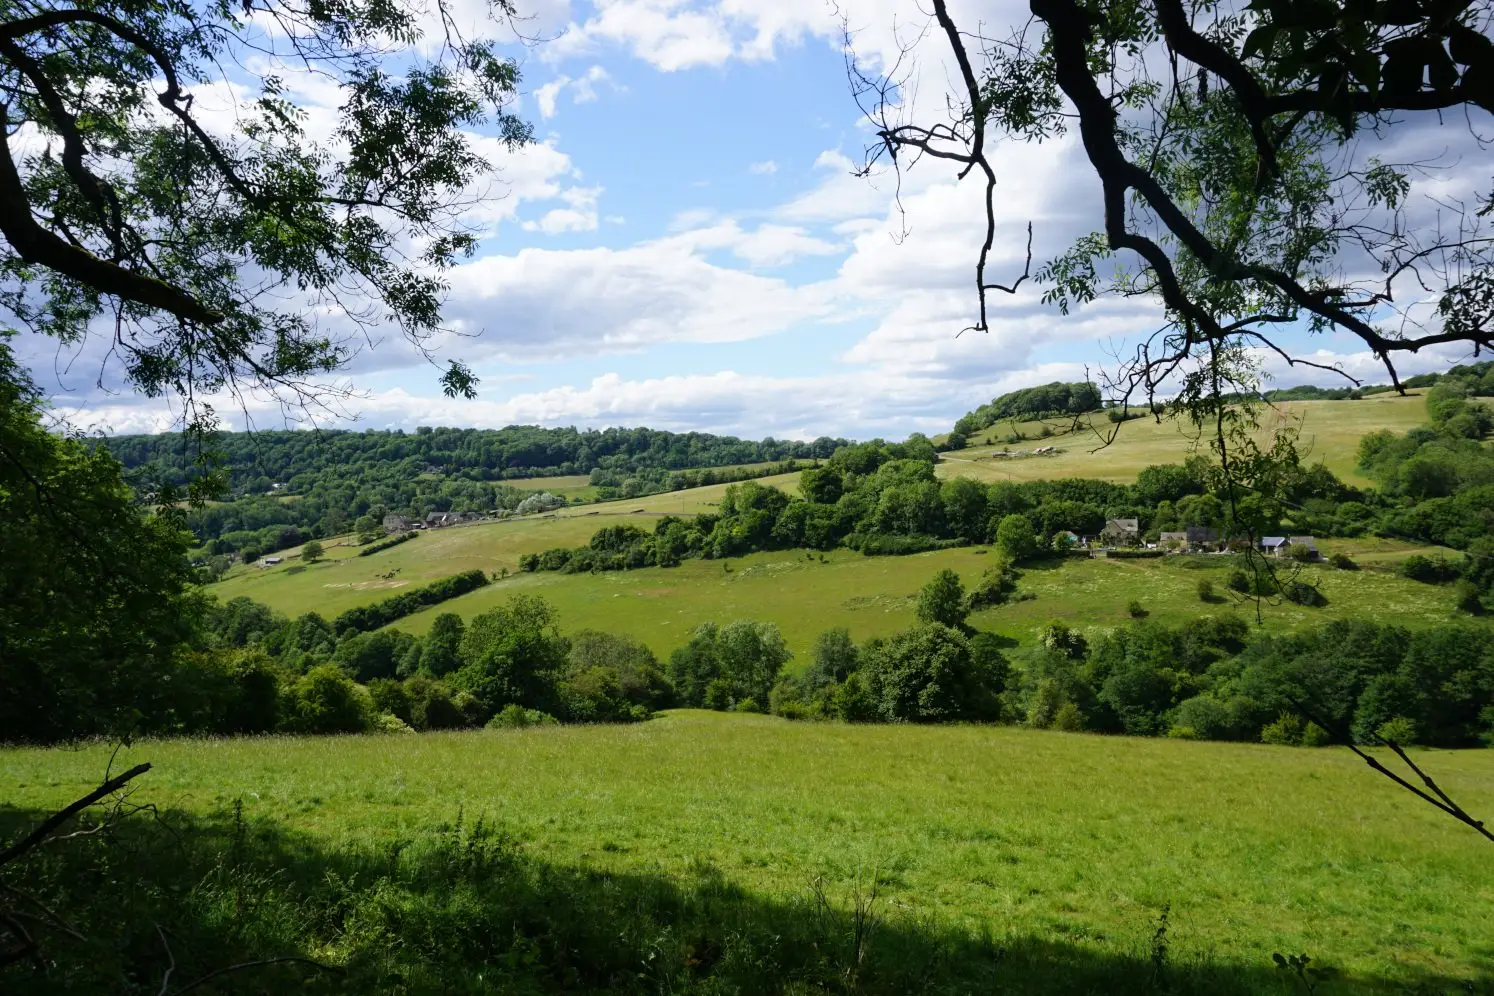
[875, 596]
[1330, 432]
[993, 841]
[869, 596]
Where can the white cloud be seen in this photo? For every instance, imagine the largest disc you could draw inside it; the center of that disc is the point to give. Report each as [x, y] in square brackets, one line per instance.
[583, 90]
[764, 168]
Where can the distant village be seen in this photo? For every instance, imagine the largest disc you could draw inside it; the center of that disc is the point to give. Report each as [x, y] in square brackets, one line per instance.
[1125, 534]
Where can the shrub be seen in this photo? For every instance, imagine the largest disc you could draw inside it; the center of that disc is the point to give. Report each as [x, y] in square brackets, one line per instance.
[1203, 717]
[1468, 598]
[1239, 581]
[374, 548]
[325, 700]
[387, 722]
[514, 716]
[1429, 570]
[1286, 731]
[1343, 562]
[1136, 610]
[379, 614]
[749, 704]
[1068, 718]
[995, 586]
[1304, 594]
[1314, 735]
[1400, 731]
[1205, 591]
[851, 702]
[718, 695]
[942, 600]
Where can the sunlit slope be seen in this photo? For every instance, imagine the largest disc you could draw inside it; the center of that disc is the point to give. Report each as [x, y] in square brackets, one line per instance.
[1330, 432]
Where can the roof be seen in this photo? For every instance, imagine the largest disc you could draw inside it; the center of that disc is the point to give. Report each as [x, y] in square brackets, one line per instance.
[1273, 541]
[1302, 541]
[1130, 525]
[1169, 537]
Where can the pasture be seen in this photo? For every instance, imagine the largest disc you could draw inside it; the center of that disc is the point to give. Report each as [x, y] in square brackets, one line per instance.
[1330, 433]
[1034, 861]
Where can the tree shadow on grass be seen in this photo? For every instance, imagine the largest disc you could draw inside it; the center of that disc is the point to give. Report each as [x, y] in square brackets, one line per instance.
[463, 908]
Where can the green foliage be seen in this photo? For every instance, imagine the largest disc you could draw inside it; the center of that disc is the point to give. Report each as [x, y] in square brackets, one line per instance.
[96, 602]
[1054, 399]
[1135, 609]
[370, 617]
[926, 675]
[995, 586]
[1015, 538]
[312, 552]
[942, 600]
[325, 700]
[513, 655]
[1205, 590]
[392, 541]
[515, 717]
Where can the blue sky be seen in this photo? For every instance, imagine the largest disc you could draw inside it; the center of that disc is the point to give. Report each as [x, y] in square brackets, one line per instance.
[684, 246]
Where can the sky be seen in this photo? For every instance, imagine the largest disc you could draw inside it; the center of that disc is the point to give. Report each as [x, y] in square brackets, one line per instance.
[685, 246]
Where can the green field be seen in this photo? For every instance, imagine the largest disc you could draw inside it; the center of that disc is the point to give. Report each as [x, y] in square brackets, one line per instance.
[870, 596]
[1330, 432]
[1046, 858]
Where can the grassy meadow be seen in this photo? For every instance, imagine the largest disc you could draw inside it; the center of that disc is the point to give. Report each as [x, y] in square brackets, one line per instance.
[1040, 855]
[804, 595]
[1330, 432]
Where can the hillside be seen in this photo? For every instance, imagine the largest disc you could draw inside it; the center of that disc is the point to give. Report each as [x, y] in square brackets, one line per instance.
[870, 596]
[1330, 433]
[1001, 859]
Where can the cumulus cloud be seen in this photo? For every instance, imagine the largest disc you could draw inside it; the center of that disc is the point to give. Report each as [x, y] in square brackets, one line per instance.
[765, 168]
[583, 90]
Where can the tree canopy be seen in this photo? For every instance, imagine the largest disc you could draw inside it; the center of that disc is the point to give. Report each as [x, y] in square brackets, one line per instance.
[207, 245]
[1235, 192]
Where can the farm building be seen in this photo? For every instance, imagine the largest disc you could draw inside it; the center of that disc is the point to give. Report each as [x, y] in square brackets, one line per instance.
[1304, 542]
[1273, 544]
[395, 523]
[1118, 532]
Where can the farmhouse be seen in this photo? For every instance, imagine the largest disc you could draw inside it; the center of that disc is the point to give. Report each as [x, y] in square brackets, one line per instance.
[269, 561]
[438, 519]
[1304, 542]
[1121, 531]
[1273, 544]
[394, 523]
[1176, 540]
[1201, 536]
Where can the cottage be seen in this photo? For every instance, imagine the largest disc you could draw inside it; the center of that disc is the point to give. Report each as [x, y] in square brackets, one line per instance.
[1065, 540]
[395, 523]
[437, 519]
[1273, 544]
[1173, 540]
[1201, 536]
[1118, 532]
[1305, 543]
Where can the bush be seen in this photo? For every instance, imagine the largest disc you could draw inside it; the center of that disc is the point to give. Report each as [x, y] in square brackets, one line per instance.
[514, 717]
[718, 695]
[374, 548]
[1304, 594]
[324, 700]
[1314, 735]
[1068, 718]
[1205, 591]
[749, 704]
[1136, 610]
[1343, 562]
[850, 702]
[1135, 554]
[1468, 598]
[1239, 581]
[1429, 570]
[1286, 731]
[1399, 731]
[995, 586]
[380, 614]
